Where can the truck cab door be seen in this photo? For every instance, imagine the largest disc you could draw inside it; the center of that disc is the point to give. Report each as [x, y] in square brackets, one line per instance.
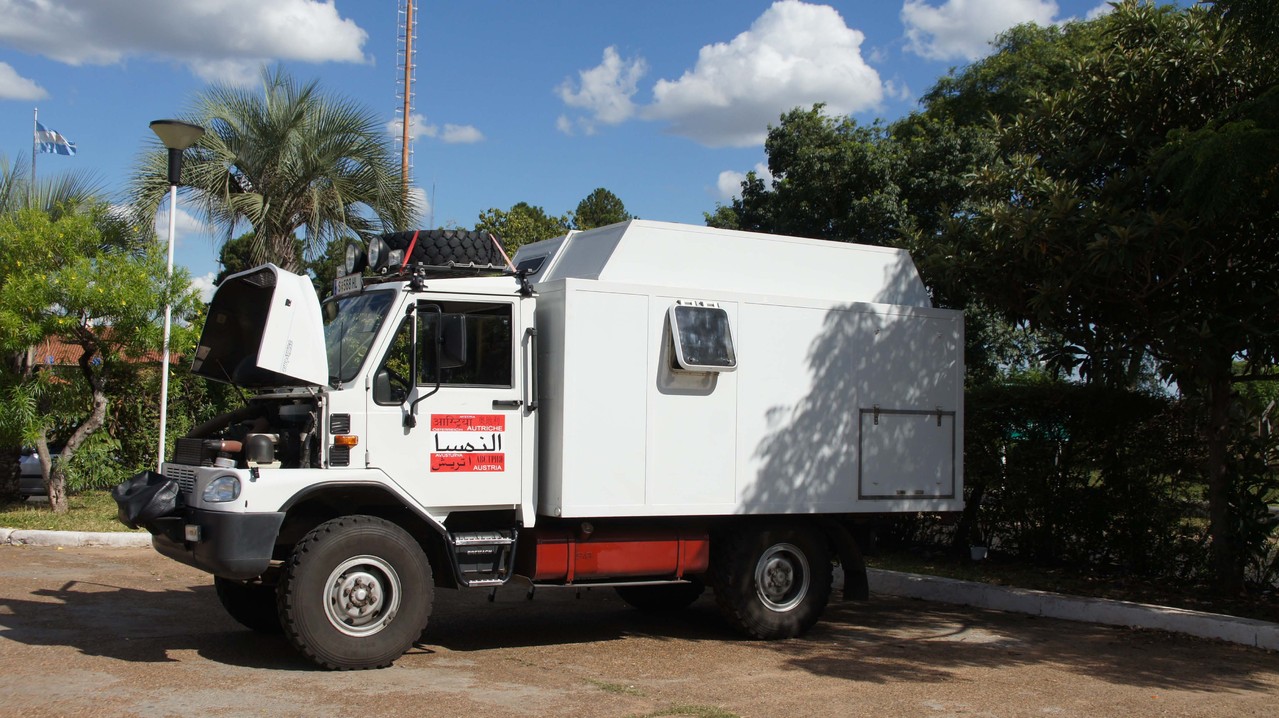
[446, 406]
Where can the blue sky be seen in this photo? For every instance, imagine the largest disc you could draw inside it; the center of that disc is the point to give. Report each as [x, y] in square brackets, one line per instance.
[664, 103]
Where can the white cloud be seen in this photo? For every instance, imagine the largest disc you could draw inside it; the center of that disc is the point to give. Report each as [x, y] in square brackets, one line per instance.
[16, 87]
[418, 127]
[604, 91]
[423, 203]
[898, 90]
[730, 182]
[1103, 9]
[204, 285]
[244, 73]
[217, 39]
[461, 134]
[450, 134]
[793, 55]
[964, 29]
[187, 226]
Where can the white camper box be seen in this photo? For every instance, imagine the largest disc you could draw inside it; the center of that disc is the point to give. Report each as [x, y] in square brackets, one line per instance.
[846, 394]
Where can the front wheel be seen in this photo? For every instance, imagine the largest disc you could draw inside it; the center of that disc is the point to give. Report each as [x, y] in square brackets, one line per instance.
[771, 583]
[356, 593]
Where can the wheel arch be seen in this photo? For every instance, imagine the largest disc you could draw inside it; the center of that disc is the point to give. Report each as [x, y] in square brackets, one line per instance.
[790, 595]
[315, 505]
[846, 546]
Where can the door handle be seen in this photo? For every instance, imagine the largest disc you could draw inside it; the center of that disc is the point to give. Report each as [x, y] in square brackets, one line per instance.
[507, 403]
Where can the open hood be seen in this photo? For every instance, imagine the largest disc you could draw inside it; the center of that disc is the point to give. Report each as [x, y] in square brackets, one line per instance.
[264, 330]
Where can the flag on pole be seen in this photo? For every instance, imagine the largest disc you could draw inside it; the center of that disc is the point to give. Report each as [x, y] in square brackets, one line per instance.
[52, 142]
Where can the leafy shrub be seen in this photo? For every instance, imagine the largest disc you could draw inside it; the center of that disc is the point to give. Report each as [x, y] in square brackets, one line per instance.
[1068, 473]
[96, 464]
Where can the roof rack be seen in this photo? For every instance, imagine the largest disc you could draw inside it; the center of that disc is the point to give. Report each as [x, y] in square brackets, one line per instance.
[438, 271]
[417, 273]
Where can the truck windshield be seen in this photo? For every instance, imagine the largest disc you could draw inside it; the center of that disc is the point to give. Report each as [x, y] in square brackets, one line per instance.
[350, 323]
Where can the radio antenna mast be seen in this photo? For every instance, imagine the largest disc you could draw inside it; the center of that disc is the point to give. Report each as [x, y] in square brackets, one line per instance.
[406, 55]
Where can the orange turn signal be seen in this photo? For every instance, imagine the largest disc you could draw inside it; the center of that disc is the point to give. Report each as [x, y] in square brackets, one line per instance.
[346, 440]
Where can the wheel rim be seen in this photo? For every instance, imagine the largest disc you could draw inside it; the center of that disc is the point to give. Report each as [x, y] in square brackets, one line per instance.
[362, 595]
[781, 577]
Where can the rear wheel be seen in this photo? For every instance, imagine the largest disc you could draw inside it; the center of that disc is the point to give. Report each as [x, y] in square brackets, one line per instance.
[662, 597]
[356, 593]
[253, 605]
[771, 583]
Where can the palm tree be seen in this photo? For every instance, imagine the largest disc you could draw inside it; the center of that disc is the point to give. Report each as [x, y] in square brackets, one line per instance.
[68, 192]
[286, 159]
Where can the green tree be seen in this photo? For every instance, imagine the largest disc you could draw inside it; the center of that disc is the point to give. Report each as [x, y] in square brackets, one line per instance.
[1138, 208]
[1028, 61]
[291, 161]
[236, 256]
[65, 278]
[599, 209]
[56, 195]
[521, 224]
[832, 179]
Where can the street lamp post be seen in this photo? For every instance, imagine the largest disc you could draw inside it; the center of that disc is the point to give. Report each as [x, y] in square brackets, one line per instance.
[177, 136]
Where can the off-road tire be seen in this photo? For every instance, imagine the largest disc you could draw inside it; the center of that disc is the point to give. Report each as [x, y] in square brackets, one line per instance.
[356, 593]
[439, 247]
[663, 597]
[253, 605]
[771, 582]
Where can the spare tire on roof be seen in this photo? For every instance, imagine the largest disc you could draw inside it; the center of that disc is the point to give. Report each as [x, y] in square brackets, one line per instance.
[440, 247]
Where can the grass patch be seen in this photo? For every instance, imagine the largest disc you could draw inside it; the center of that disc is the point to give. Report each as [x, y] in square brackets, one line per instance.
[617, 688]
[696, 711]
[89, 511]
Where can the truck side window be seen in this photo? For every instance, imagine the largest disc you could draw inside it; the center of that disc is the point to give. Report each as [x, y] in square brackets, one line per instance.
[397, 367]
[703, 338]
[488, 344]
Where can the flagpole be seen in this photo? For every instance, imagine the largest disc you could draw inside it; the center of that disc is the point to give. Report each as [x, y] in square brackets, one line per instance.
[35, 122]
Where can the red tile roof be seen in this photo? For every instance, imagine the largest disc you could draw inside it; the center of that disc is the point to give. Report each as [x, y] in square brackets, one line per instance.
[57, 352]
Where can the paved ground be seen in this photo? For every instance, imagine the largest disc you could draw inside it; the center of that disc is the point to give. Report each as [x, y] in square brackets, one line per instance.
[97, 631]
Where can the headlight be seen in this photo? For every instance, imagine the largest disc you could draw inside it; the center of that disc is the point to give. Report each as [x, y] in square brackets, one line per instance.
[377, 253]
[354, 259]
[222, 489]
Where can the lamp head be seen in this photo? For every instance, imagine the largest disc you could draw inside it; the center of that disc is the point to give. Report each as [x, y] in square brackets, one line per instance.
[176, 134]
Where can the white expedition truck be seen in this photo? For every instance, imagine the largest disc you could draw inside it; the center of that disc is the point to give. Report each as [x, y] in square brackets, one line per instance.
[647, 406]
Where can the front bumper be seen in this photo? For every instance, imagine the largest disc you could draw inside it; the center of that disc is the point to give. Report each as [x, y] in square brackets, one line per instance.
[230, 545]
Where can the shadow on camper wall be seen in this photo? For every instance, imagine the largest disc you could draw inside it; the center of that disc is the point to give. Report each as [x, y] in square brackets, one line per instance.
[907, 363]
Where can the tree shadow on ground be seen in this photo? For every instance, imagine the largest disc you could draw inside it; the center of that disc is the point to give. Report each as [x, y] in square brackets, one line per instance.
[465, 621]
[144, 626]
[893, 640]
[140, 626]
[880, 641]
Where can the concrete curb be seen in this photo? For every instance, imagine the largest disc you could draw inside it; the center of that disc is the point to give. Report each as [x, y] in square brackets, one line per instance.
[1249, 632]
[116, 539]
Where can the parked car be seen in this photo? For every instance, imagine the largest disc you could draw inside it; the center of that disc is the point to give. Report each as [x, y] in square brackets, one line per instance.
[30, 480]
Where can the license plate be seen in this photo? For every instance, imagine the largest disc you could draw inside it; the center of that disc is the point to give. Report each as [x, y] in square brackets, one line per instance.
[347, 284]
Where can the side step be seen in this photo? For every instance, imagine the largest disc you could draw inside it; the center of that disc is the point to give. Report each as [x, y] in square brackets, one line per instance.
[483, 558]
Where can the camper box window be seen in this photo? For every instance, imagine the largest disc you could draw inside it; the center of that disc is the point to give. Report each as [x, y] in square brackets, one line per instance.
[703, 339]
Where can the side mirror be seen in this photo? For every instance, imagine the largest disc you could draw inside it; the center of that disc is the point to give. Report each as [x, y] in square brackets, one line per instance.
[385, 391]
